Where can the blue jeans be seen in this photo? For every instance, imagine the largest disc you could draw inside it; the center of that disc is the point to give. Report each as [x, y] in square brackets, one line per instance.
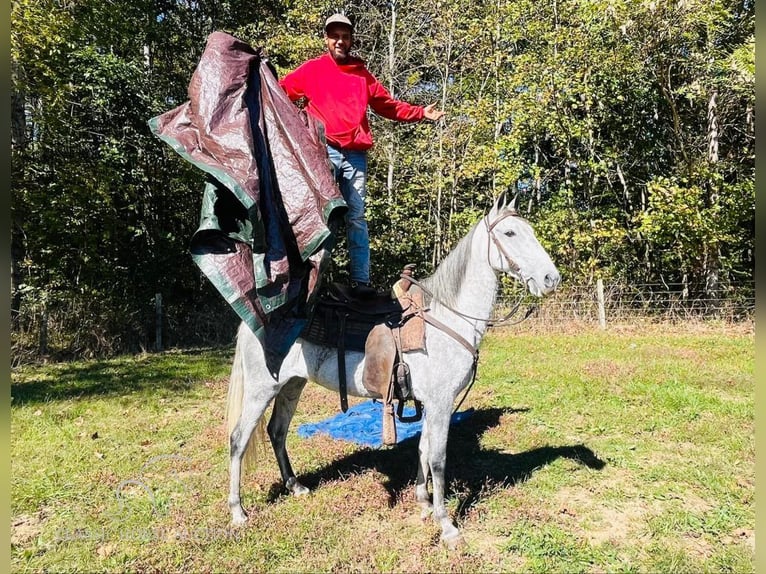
[350, 170]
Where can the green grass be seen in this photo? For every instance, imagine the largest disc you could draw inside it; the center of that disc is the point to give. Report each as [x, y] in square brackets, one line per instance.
[625, 450]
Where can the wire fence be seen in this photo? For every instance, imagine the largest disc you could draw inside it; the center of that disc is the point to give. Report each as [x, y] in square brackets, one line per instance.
[60, 332]
[622, 304]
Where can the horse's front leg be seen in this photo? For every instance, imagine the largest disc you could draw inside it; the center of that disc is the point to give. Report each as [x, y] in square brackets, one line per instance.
[421, 484]
[438, 427]
[282, 414]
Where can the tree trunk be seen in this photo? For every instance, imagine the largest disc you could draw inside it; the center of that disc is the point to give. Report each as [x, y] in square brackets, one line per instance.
[440, 247]
[712, 252]
[498, 119]
[17, 256]
[391, 67]
[666, 88]
[712, 128]
[18, 143]
[43, 347]
[18, 117]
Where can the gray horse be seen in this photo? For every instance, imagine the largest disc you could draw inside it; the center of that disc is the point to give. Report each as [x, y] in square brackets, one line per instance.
[464, 288]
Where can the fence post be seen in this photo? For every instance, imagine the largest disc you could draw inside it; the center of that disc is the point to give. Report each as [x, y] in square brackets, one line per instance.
[601, 304]
[44, 331]
[158, 321]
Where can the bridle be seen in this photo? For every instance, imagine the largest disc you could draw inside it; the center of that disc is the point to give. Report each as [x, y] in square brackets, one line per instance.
[511, 264]
[490, 226]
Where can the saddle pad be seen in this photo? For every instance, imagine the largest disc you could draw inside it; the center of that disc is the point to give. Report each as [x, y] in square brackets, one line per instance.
[324, 326]
[363, 424]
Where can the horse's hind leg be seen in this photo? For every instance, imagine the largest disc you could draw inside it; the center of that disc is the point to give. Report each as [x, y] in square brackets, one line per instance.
[282, 414]
[251, 388]
[252, 411]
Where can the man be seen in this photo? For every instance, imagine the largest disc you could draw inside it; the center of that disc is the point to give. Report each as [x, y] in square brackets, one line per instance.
[338, 88]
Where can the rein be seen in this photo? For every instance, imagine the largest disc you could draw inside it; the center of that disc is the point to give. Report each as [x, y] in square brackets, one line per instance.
[490, 323]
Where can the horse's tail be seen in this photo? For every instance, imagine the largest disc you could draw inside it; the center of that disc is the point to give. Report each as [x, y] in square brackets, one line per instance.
[234, 409]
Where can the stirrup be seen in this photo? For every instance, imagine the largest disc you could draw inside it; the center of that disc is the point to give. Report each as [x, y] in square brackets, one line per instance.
[414, 418]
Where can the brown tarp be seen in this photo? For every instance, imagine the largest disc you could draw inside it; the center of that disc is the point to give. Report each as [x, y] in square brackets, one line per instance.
[270, 198]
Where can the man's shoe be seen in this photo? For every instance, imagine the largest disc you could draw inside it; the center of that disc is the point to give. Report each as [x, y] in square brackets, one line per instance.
[362, 290]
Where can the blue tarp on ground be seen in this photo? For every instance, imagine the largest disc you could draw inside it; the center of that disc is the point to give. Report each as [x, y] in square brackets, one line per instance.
[363, 424]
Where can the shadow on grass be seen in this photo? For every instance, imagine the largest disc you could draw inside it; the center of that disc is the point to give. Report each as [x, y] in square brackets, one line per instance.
[468, 463]
[169, 372]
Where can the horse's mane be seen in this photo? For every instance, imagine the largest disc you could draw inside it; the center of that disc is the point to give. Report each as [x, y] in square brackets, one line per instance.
[446, 280]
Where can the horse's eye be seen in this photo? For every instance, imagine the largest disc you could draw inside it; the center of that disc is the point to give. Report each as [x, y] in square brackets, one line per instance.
[510, 233]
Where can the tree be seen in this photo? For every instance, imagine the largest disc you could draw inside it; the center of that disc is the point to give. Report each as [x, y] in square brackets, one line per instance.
[625, 127]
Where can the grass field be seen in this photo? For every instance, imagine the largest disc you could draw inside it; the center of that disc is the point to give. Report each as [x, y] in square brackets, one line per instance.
[627, 450]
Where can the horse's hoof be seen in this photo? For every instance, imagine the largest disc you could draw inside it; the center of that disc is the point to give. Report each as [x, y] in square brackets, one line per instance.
[453, 541]
[296, 488]
[300, 490]
[238, 514]
[451, 536]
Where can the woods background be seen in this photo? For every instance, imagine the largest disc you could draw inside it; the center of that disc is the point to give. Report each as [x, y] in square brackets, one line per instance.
[626, 127]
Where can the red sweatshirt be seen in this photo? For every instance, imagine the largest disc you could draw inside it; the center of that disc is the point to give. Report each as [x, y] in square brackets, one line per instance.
[338, 96]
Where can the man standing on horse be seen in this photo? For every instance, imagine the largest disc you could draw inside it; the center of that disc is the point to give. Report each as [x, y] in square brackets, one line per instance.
[338, 89]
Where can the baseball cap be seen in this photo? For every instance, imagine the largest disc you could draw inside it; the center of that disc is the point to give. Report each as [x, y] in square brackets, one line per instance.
[338, 19]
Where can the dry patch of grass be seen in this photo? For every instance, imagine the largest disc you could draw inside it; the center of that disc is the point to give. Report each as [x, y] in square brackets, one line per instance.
[617, 523]
[637, 326]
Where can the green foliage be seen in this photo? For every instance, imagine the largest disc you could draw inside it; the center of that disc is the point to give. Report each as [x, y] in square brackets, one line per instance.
[626, 128]
[685, 226]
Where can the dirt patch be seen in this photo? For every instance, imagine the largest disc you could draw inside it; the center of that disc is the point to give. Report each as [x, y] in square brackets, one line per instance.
[695, 504]
[627, 520]
[741, 536]
[26, 527]
[601, 521]
[618, 524]
[491, 549]
[696, 546]
[221, 384]
[637, 326]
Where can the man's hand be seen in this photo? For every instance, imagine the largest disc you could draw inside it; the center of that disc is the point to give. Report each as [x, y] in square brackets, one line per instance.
[431, 113]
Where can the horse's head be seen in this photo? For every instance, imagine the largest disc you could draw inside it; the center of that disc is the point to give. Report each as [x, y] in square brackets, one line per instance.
[513, 248]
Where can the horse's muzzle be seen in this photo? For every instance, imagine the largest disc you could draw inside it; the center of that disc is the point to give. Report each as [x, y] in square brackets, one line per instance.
[551, 281]
[546, 287]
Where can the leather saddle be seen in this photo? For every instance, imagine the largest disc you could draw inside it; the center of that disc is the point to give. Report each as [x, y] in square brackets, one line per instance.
[343, 321]
[382, 327]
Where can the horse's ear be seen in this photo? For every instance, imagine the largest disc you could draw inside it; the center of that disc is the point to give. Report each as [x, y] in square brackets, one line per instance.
[500, 203]
[512, 205]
